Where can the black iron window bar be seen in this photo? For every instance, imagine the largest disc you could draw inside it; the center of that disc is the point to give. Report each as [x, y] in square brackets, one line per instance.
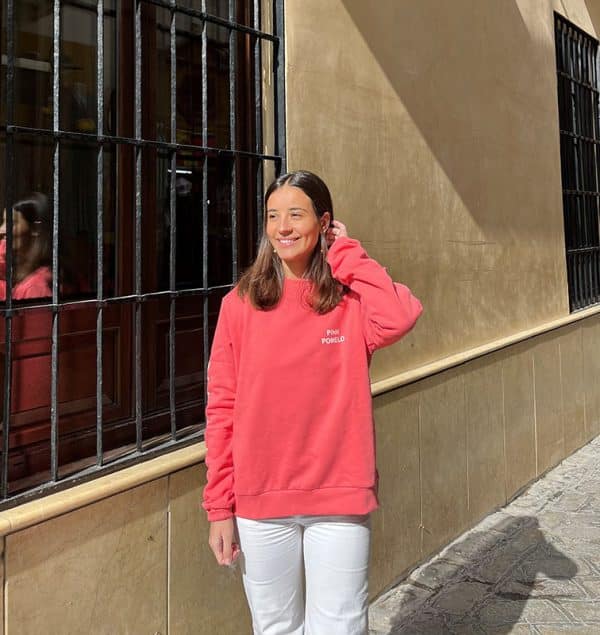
[101, 139]
[578, 98]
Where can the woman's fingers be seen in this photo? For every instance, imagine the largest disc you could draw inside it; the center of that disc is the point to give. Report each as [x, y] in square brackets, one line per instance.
[221, 541]
[227, 550]
[336, 230]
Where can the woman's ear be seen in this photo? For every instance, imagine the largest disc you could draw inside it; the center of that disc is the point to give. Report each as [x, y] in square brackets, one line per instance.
[325, 221]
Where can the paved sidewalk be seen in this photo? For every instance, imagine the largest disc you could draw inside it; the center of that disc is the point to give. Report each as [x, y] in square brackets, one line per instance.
[532, 567]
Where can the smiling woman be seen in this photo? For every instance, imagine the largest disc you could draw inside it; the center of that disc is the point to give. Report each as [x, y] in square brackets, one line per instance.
[297, 517]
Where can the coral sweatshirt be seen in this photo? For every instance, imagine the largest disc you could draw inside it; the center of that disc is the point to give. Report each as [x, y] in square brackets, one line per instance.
[38, 284]
[289, 425]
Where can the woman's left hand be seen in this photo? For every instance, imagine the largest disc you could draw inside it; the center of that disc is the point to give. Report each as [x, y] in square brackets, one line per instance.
[336, 230]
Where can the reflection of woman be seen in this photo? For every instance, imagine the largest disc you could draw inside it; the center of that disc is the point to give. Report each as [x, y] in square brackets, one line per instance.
[289, 429]
[31, 249]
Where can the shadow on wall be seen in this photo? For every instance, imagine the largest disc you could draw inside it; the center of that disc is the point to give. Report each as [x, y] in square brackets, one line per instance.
[499, 570]
[594, 12]
[481, 89]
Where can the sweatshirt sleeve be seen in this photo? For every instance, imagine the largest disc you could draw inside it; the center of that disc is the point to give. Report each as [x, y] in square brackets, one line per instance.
[389, 309]
[218, 499]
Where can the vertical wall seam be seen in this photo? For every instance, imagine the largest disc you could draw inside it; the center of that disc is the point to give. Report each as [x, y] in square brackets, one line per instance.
[4, 589]
[583, 372]
[503, 407]
[466, 422]
[168, 581]
[535, 424]
[421, 520]
[562, 399]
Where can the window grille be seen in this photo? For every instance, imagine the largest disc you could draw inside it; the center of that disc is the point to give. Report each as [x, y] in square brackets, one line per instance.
[577, 68]
[150, 126]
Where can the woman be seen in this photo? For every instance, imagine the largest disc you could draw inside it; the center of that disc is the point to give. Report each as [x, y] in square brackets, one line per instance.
[289, 434]
[31, 249]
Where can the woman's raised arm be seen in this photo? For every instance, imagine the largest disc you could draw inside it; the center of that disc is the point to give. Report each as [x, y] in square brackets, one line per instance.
[389, 308]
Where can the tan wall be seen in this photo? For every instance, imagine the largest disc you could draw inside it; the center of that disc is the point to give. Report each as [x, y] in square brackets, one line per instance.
[450, 449]
[436, 126]
[454, 446]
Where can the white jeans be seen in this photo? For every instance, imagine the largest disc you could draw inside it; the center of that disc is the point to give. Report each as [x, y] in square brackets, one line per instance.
[327, 555]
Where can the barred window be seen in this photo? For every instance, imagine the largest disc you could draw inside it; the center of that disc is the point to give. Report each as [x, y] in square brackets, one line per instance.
[577, 68]
[135, 139]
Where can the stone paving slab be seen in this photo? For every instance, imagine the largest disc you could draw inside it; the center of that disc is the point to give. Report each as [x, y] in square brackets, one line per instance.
[531, 567]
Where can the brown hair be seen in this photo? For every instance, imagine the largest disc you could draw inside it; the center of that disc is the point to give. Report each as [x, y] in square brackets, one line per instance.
[35, 210]
[263, 281]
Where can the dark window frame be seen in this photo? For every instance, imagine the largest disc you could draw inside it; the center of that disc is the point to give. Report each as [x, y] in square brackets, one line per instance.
[578, 105]
[205, 293]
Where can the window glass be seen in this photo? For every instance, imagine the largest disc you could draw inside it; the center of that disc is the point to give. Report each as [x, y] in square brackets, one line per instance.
[189, 80]
[78, 68]
[220, 8]
[33, 63]
[207, 199]
[156, 72]
[78, 219]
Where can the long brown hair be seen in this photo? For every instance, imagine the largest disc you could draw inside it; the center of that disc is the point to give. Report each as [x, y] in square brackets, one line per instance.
[35, 210]
[263, 281]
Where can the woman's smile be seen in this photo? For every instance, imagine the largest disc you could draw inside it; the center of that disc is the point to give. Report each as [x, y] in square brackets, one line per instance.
[287, 242]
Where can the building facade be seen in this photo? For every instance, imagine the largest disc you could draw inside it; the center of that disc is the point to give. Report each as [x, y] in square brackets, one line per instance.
[460, 145]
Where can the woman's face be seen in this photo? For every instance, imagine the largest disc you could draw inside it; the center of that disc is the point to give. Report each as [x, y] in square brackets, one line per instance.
[21, 231]
[293, 228]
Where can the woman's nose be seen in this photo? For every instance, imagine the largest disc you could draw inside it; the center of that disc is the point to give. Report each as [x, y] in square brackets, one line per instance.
[284, 225]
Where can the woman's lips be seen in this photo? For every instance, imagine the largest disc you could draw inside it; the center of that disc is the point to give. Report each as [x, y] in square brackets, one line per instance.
[287, 242]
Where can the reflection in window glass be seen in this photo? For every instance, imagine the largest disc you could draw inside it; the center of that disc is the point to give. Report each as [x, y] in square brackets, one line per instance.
[189, 80]
[110, 68]
[31, 249]
[155, 220]
[219, 222]
[32, 221]
[156, 70]
[78, 104]
[30, 396]
[189, 241]
[245, 90]
[189, 83]
[203, 206]
[189, 362]
[218, 86]
[78, 220]
[220, 8]
[33, 63]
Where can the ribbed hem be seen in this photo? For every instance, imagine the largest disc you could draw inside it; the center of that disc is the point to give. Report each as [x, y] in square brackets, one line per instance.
[219, 514]
[322, 502]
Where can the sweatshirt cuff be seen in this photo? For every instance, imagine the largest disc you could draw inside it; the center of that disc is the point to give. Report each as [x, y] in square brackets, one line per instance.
[341, 269]
[219, 514]
[339, 243]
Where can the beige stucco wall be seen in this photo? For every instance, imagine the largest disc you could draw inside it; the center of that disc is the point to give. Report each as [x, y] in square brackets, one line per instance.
[451, 448]
[436, 126]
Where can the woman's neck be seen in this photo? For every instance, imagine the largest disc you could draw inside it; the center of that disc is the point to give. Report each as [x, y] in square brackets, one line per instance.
[23, 266]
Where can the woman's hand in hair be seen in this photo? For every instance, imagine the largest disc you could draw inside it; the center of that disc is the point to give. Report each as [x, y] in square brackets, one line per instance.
[221, 541]
[336, 230]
